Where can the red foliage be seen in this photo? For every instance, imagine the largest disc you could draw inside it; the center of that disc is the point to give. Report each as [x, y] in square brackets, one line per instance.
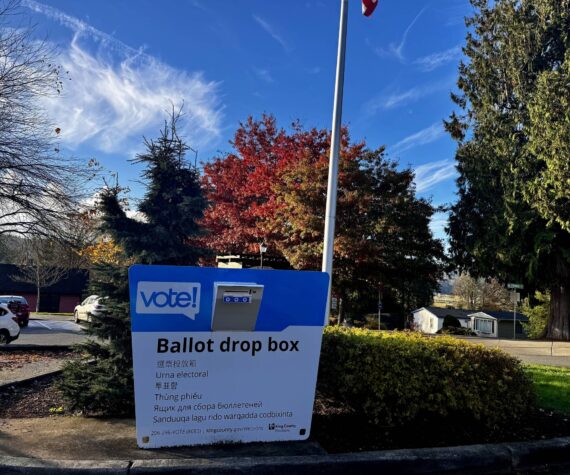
[239, 185]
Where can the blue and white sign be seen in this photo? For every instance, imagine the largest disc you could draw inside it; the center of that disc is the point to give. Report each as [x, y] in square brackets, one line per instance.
[224, 355]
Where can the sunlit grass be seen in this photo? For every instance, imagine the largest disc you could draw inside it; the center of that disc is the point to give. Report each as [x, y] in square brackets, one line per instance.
[552, 385]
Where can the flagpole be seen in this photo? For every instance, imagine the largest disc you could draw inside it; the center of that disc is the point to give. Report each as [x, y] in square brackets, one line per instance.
[330, 214]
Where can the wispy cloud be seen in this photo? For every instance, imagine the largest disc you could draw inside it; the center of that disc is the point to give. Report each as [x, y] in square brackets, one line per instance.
[430, 174]
[437, 225]
[269, 29]
[117, 94]
[397, 49]
[436, 60]
[428, 135]
[396, 99]
[264, 75]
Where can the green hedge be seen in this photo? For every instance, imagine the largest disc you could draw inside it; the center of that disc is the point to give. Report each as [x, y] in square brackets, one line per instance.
[395, 378]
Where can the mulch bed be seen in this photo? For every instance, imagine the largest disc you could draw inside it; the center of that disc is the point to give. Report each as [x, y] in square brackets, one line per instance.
[334, 427]
[11, 360]
[339, 430]
[38, 398]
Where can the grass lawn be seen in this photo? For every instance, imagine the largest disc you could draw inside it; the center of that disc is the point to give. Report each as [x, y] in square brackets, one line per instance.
[552, 386]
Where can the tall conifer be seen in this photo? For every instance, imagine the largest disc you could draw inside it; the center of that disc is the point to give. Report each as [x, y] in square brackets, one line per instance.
[162, 233]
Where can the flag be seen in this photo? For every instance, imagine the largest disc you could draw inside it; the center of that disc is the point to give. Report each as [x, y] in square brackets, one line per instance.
[368, 6]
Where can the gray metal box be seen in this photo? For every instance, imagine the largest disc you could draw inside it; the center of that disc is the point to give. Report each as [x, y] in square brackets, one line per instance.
[236, 306]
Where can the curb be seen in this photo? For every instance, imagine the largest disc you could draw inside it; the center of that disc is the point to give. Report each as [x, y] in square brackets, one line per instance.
[26, 466]
[506, 458]
[26, 346]
[30, 379]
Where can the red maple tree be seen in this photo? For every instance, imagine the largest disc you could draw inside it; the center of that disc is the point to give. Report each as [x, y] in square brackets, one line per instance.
[239, 186]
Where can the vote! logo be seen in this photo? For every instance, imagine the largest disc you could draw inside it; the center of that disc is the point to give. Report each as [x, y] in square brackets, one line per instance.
[173, 298]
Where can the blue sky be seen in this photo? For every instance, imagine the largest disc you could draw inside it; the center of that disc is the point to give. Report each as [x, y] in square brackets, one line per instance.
[228, 59]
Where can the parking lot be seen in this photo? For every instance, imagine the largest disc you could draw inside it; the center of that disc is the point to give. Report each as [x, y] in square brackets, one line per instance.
[52, 331]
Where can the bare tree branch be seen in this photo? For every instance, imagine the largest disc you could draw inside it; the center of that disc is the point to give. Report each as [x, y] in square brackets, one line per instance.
[39, 189]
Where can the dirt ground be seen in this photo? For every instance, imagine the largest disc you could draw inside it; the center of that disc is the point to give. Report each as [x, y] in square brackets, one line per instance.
[23, 364]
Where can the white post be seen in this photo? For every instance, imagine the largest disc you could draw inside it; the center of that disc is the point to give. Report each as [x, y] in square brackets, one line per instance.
[515, 316]
[330, 215]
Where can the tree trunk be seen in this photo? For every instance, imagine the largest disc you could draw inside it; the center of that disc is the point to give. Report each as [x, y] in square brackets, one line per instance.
[37, 269]
[558, 327]
[37, 299]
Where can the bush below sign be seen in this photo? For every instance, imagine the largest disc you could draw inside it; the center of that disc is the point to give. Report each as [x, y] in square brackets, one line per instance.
[394, 378]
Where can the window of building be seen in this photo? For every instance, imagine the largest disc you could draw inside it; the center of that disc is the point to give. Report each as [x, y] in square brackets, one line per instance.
[484, 325]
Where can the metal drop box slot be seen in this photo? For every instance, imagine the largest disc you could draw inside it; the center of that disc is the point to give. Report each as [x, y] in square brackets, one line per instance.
[236, 306]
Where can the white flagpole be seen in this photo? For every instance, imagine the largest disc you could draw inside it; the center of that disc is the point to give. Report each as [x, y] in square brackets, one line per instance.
[335, 146]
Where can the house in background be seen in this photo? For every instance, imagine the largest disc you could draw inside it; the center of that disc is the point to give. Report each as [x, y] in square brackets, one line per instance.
[485, 323]
[62, 296]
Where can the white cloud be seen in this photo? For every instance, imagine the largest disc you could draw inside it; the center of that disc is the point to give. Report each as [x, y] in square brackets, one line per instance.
[269, 29]
[117, 94]
[264, 75]
[436, 60]
[437, 225]
[428, 135]
[396, 99]
[430, 174]
[397, 49]
[390, 101]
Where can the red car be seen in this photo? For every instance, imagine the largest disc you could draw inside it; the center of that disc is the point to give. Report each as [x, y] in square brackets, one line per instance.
[19, 307]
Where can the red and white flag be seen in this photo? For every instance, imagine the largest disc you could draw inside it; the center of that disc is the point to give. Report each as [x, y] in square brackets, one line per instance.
[368, 6]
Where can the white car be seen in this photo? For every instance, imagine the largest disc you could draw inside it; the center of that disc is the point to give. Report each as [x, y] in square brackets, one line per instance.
[9, 328]
[92, 305]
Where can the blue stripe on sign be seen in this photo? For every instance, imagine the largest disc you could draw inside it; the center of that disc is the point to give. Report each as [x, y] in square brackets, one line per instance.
[290, 298]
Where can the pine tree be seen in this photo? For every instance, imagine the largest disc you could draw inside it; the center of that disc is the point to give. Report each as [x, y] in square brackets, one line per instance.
[511, 219]
[163, 234]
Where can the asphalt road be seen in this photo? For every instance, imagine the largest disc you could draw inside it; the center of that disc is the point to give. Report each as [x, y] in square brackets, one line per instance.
[50, 332]
[58, 330]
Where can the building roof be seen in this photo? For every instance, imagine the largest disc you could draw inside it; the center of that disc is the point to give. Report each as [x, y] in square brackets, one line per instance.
[466, 314]
[501, 315]
[73, 283]
[449, 312]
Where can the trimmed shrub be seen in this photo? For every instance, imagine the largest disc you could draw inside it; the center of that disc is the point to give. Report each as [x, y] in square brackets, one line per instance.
[395, 378]
[456, 331]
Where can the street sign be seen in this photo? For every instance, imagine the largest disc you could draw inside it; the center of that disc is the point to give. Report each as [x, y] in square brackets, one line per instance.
[515, 297]
[224, 355]
[515, 286]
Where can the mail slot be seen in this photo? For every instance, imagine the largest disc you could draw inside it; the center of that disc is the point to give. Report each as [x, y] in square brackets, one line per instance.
[236, 306]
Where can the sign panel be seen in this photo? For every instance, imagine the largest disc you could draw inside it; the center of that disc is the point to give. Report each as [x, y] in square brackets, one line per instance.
[224, 355]
[515, 297]
[515, 286]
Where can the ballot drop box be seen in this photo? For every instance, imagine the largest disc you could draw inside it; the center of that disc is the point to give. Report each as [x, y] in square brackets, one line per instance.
[224, 355]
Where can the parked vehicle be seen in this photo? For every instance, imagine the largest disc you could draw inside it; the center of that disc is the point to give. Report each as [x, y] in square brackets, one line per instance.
[9, 328]
[19, 307]
[92, 305]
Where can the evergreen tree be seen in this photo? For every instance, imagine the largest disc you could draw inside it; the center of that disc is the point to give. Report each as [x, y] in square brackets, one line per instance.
[511, 219]
[164, 233]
